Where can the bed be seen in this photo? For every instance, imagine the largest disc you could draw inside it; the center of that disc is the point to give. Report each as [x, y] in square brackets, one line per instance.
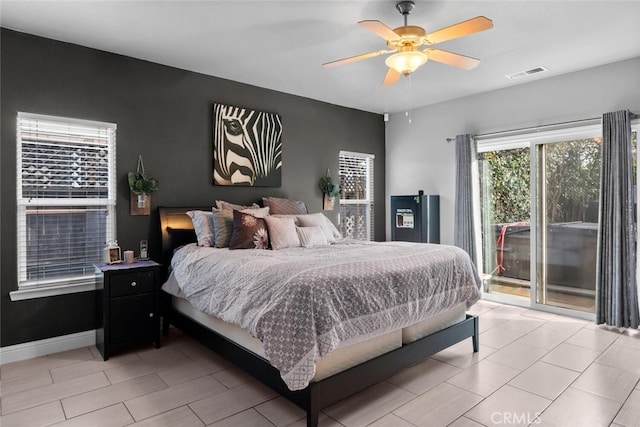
[350, 354]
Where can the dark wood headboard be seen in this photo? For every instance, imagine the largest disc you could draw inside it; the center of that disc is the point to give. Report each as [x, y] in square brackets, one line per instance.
[176, 229]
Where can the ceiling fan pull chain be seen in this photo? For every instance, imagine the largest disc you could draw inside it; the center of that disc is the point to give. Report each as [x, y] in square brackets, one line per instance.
[407, 90]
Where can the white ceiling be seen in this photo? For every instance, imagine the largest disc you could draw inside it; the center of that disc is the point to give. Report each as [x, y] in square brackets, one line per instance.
[281, 45]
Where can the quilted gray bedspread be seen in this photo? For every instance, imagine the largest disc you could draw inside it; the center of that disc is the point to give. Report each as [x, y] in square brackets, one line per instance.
[303, 302]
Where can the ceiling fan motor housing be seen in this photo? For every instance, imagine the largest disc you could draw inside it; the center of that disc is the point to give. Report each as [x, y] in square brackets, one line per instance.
[410, 35]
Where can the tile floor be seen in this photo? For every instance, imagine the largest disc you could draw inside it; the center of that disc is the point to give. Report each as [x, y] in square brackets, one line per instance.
[533, 368]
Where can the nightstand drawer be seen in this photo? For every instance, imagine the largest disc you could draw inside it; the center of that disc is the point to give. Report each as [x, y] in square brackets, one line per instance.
[131, 283]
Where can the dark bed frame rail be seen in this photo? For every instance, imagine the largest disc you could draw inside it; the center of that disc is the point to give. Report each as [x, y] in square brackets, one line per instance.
[323, 393]
[320, 394]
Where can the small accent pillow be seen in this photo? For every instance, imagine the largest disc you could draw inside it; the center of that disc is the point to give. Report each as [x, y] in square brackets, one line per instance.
[226, 206]
[203, 226]
[311, 236]
[249, 232]
[282, 233]
[280, 206]
[320, 220]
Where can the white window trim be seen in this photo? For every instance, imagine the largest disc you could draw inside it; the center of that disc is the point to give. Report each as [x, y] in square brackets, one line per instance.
[542, 137]
[368, 201]
[46, 288]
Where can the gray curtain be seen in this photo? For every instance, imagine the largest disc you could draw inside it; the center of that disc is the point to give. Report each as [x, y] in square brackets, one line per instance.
[466, 160]
[616, 287]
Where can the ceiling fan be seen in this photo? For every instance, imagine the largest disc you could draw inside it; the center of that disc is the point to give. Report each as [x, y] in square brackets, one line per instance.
[406, 40]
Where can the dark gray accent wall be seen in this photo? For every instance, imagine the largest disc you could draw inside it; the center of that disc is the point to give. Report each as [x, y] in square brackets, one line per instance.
[164, 114]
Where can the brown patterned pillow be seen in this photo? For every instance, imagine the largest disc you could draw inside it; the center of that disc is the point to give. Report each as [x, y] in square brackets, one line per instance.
[249, 232]
[280, 206]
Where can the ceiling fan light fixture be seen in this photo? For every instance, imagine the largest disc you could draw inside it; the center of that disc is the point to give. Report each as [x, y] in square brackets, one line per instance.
[406, 62]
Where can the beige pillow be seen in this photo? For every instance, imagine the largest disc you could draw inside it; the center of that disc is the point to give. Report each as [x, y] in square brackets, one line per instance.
[257, 212]
[320, 220]
[311, 236]
[282, 232]
[226, 206]
[203, 226]
[280, 206]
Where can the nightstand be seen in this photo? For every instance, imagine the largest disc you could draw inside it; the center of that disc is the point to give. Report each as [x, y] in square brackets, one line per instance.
[127, 306]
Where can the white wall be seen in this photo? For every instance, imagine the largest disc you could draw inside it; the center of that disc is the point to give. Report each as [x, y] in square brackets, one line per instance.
[419, 158]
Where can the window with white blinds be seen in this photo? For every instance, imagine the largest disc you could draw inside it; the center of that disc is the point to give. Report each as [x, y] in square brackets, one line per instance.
[66, 198]
[356, 195]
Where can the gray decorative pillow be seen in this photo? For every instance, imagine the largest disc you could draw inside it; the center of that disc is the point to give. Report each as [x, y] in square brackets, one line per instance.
[320, 220]
[203, 226]
[282, 232]
[282, 206]
[311, 236]
[222, 227]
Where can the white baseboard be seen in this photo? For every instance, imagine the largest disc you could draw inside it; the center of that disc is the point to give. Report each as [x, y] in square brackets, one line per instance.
[33, 349]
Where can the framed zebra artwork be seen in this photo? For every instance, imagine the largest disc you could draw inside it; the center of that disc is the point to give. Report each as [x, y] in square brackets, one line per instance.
[247, 147]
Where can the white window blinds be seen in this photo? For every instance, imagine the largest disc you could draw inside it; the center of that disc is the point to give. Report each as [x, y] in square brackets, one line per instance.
[65, 198]
[356, 195]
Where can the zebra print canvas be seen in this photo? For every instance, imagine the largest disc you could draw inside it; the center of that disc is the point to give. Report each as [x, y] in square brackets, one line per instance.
[247, 147]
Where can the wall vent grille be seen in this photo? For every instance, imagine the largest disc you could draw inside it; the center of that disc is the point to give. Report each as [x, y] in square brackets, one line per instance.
[521, 74]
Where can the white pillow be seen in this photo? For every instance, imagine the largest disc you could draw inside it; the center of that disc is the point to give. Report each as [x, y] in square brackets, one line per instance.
[320, 220]
[282, 233]
[311, 236]
[203, 226]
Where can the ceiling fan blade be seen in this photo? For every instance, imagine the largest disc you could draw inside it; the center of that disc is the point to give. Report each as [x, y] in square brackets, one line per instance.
[379, 29]
[453, 59]
[392, 77]
[474, 25]
[355, 58]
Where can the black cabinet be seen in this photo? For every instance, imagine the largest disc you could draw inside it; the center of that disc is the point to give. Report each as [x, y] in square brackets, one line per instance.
[127, 305]
[415, 218]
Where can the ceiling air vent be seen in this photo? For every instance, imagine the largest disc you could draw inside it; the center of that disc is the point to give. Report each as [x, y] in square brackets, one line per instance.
[526, 73]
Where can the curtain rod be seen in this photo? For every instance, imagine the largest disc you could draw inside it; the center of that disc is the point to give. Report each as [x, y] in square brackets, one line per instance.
[514, 132]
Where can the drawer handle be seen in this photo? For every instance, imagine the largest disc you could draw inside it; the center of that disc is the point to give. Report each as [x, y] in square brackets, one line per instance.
[150, 314]
[134, 284]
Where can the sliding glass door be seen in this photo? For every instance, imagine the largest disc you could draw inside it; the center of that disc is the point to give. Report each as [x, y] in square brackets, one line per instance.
[505, 201]
[539, 203]
[567, 194]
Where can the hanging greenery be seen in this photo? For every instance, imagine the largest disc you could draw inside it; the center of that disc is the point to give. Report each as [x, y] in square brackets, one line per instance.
[328, 187]
[138, 181]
